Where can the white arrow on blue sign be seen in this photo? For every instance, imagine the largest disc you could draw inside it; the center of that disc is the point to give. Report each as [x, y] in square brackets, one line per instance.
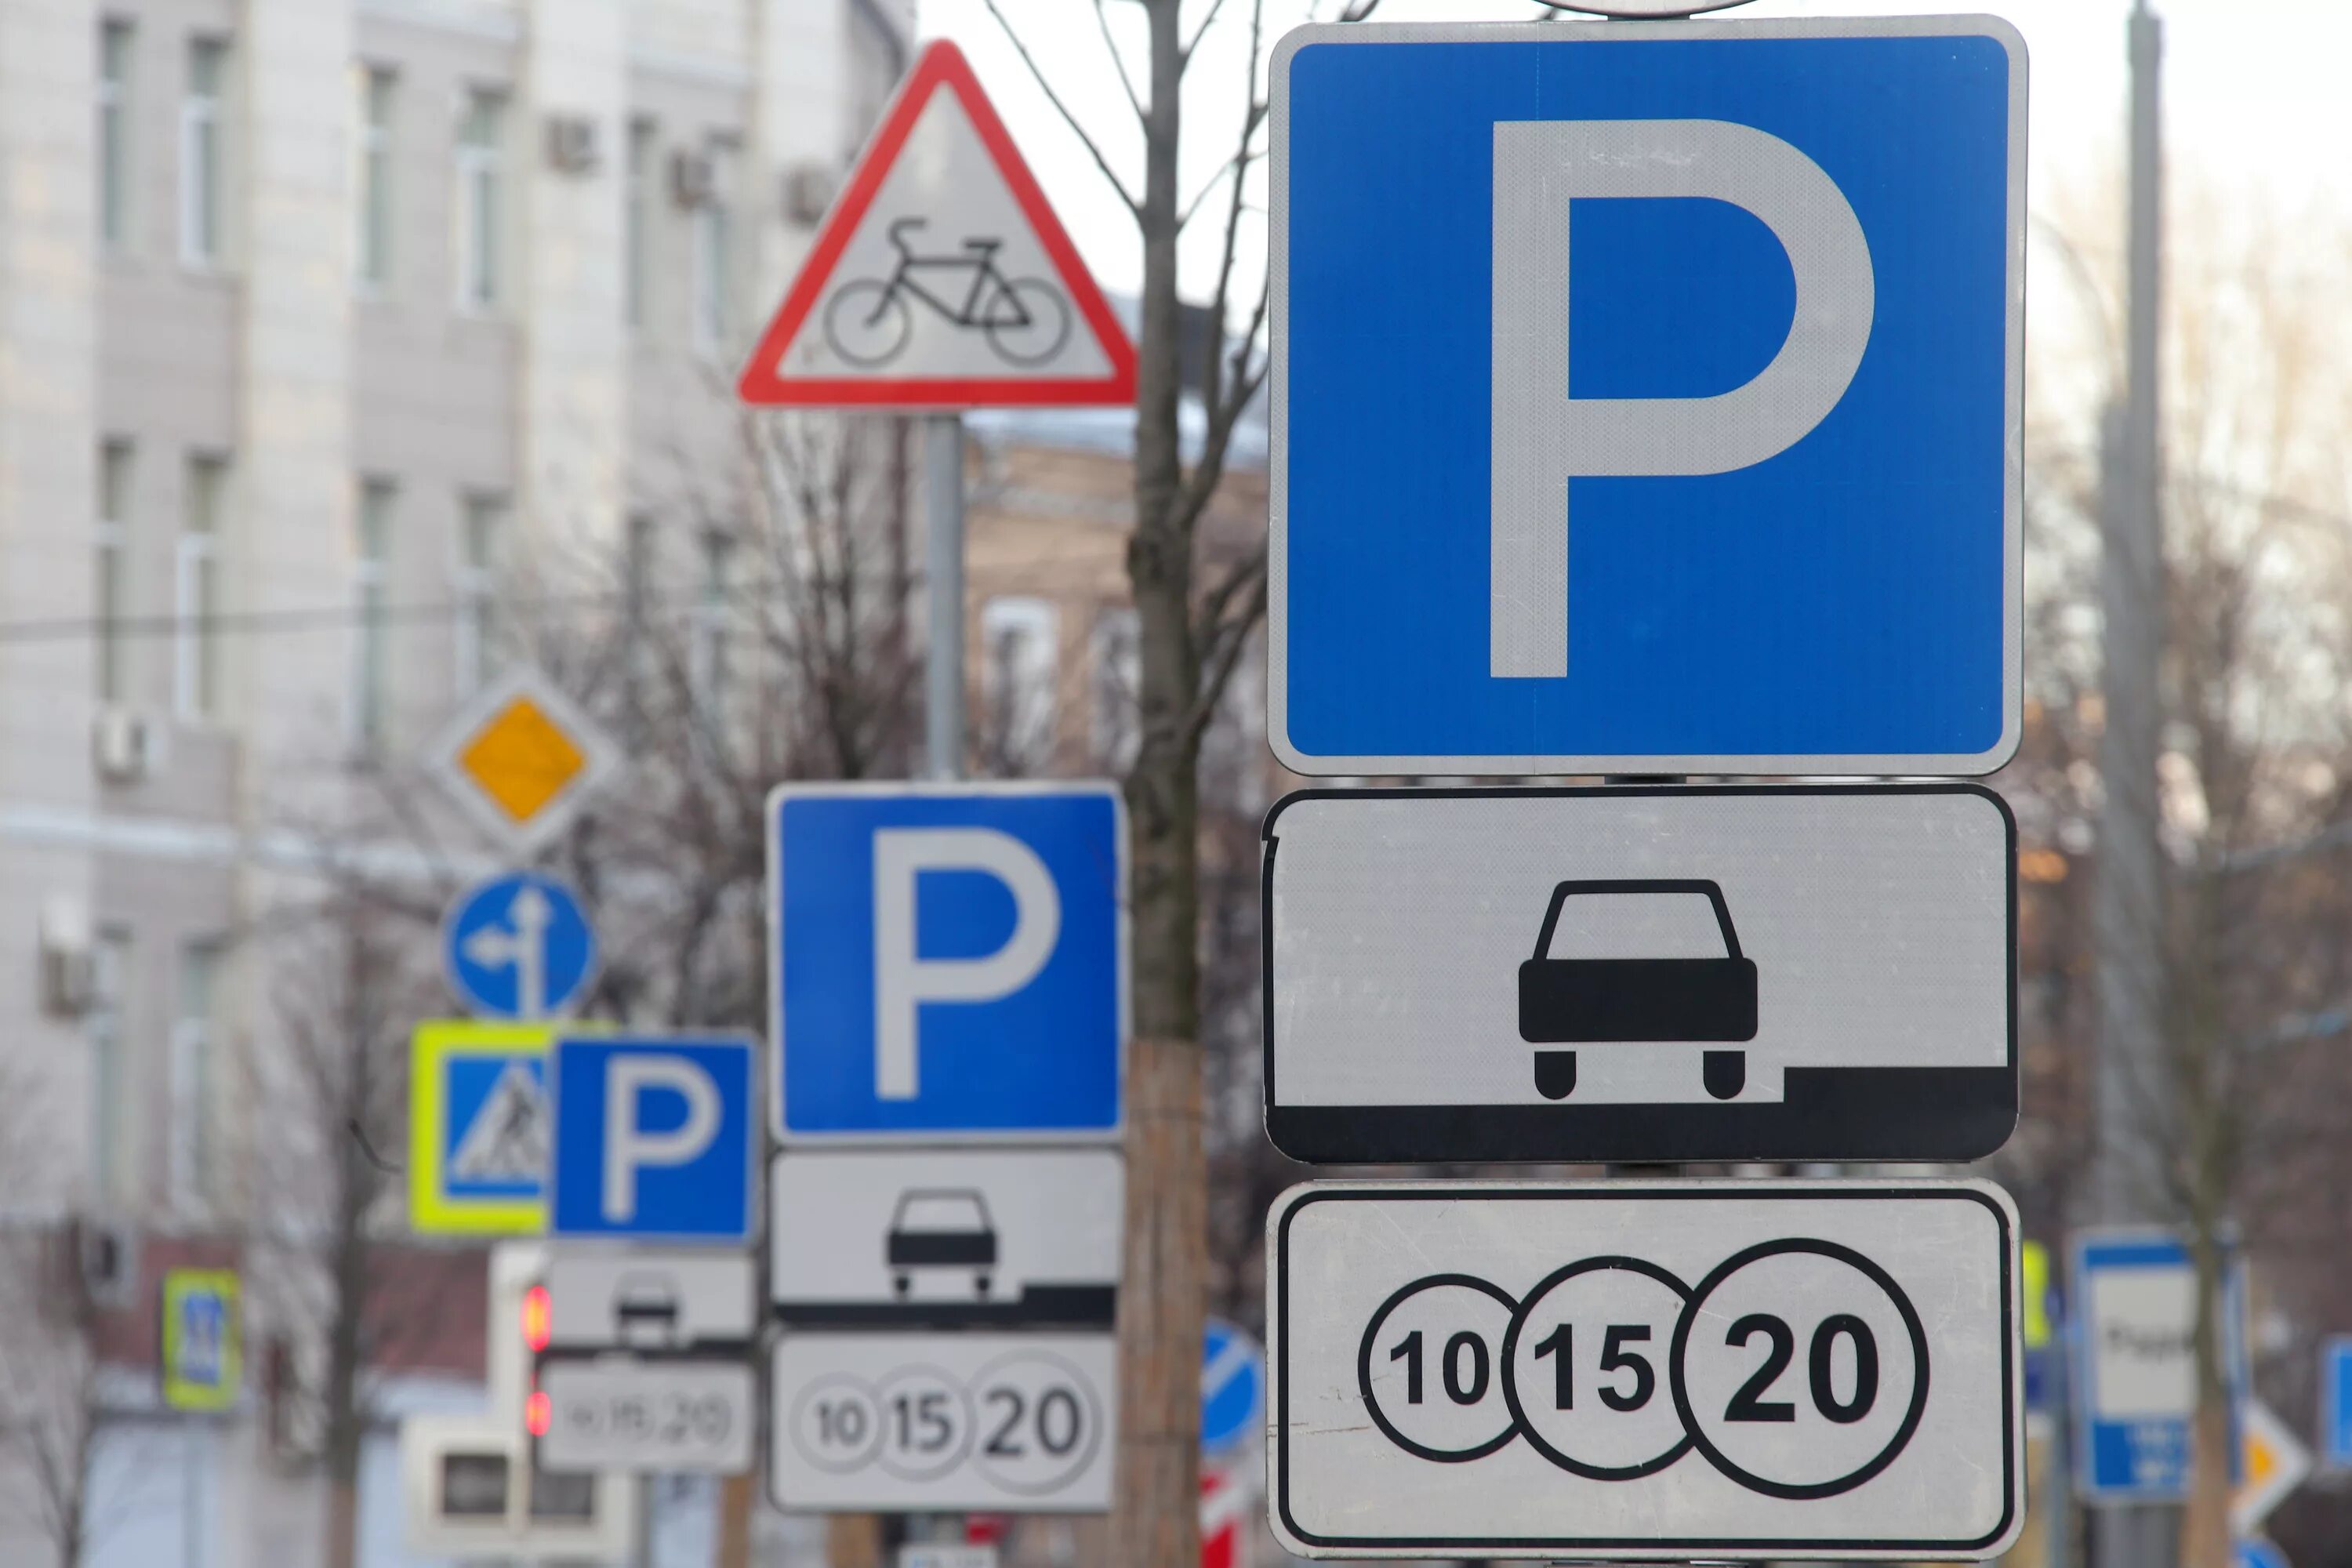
[654, 1137]
[518, 946]
[1233, 1387]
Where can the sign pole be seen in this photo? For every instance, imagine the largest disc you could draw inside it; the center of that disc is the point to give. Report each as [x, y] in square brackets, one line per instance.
[944, 513]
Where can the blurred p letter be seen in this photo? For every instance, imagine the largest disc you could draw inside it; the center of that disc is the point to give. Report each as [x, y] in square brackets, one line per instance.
[1543, 436]
[904, 981]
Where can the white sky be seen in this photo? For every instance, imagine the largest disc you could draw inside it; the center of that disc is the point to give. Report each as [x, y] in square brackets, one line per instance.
[2258, 96]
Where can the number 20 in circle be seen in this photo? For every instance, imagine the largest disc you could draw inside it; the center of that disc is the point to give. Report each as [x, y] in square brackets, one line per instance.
[1800, 1403]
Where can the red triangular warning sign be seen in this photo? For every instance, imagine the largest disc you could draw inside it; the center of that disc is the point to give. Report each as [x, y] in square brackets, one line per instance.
[941, 278]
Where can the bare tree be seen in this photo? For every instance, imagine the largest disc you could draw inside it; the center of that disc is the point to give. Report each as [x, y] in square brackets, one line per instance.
[2255, 780]
[1194, 627]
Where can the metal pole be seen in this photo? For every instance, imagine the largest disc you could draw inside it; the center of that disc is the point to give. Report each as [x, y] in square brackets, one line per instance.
[943, 511]
[2128, 902]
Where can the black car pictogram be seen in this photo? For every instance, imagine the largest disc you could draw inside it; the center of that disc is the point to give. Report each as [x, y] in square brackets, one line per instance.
[1588, 1001]
[940, 1227]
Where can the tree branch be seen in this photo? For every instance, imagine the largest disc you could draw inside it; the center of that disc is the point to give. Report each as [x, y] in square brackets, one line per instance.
[1184, 54]
[1093, 149]
[1110, 45]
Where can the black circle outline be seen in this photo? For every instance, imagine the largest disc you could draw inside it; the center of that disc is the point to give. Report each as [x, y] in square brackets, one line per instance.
[978, 1391]
[1679, 1381]
[954, 1386]
[1364, 1369]
[800, 1407]
[1511, 1383]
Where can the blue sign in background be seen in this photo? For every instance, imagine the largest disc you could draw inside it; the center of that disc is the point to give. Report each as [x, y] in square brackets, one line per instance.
[1233, 1386]
[1044, 1058]
[2336, 1402]
[2137, 1459]
[482, 944]
[1845, 597]
[702, 1194]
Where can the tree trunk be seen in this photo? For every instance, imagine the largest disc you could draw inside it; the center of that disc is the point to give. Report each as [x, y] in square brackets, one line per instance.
[853, 1541]
[1156, 1512]
[2205, 1523]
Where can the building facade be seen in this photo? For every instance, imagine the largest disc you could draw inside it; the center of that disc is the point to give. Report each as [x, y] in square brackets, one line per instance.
[325, 325]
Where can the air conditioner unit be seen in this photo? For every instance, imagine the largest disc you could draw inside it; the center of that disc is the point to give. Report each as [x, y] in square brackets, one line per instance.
[65, 971]
[808, 191]
[107, 1254]
[572, 144]
[125, 746]
[693, 178]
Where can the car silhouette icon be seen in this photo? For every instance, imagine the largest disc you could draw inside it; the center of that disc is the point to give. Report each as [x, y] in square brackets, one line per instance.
[1590, 1001]
[940, 1227]
[646, 1311]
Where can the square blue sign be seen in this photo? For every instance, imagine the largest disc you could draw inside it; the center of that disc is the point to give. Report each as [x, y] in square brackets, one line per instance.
[655, 1137]
[1647, 398]
[949, 958]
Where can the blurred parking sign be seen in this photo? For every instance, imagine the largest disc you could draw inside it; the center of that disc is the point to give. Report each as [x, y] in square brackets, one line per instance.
[949, 959]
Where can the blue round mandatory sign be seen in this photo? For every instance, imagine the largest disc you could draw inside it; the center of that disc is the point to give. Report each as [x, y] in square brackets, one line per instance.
[1233, 1386]
[518, 946]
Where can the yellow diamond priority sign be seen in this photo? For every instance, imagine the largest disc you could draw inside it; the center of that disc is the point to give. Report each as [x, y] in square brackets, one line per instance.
[521, 759]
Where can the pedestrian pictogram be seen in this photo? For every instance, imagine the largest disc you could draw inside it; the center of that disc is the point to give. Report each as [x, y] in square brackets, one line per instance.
[941, 278]
[521, 758]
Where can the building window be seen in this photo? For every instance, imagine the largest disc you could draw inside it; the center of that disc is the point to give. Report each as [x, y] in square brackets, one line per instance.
[713, 268]
[481, 200]
[637, 256]
[193, 1029]
[371, 180]
[114, 133]
[1116, 660]
[202, 155]
[110, 991]
[481, 541]
[371, 632]
[112, 588]
[1020, 646]
[708, 665]
[195, 590]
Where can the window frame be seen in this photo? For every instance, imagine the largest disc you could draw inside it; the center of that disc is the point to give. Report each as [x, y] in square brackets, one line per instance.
[197, 581]
[374, 223]
[204, 138]
[481, 205]
[117, 474]
[118, 43]
[373, 528]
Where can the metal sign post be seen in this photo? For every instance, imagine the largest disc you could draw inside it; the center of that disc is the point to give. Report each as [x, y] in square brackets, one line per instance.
[943, 727]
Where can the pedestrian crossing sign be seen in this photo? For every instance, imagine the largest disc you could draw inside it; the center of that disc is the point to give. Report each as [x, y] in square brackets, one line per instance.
[479, 1128]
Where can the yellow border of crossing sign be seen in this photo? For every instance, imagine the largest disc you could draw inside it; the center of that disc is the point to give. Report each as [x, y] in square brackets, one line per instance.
[220, 1392]
[432, 1208]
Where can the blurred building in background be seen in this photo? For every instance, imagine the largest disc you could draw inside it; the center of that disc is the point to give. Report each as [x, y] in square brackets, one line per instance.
[324, 326]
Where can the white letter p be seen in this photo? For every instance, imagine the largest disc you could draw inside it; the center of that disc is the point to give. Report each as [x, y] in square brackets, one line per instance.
[903, 982]
[1542, 436]
[628, 1148]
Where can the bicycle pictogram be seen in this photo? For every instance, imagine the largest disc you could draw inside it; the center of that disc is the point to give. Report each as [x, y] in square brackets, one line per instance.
[869, 321]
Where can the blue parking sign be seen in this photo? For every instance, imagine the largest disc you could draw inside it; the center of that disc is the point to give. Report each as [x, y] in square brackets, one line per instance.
[655, 1137]
[1647, 397]
[948, 958]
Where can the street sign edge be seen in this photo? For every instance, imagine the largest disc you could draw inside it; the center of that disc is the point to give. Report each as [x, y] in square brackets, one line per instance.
[2004, 1209]
[743, 1040]
[1269, 837]
[1278, 709]
[772, 822]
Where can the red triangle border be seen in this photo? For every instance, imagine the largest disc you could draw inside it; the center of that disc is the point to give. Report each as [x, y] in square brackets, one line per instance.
[941, 64]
